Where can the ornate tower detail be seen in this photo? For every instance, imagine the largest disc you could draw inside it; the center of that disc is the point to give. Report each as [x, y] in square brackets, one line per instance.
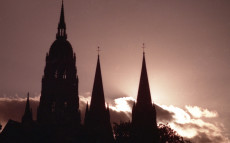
[143, 112]
[97, 116]
[27, 117]
[59, 102]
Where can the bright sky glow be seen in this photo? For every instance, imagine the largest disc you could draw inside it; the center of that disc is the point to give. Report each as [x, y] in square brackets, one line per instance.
[189, 133]
[121, 104]
[197, 112]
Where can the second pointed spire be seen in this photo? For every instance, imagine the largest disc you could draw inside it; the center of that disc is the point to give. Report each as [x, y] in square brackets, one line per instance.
[61, 25]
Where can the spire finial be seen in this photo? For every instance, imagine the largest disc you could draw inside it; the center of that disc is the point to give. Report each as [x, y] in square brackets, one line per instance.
[143, 47]
[98, 50]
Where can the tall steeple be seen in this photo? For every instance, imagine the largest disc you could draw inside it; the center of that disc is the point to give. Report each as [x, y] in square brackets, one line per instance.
[144, 96]
[61, 25]
[27, 117]
[97, 117]
[143, 112]
[98, 99]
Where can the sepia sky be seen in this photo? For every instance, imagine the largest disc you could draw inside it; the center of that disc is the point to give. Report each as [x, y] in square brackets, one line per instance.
[187, 50]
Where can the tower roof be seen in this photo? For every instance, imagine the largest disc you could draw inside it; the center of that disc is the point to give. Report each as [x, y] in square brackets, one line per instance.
[144, 96]
[97, 100]
[61, 24]
[61, 34]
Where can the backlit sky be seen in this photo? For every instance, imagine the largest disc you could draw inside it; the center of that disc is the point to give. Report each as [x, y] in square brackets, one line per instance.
[187, 48]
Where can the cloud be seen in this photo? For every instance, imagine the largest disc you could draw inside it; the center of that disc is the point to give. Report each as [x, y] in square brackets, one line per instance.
[198, 112]
[178, 114]
[163, 115]
[123, 104]
[13, 108]
[190, 122]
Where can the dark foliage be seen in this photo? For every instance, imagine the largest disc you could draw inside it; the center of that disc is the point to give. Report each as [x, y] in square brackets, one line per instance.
[168, 135]
[123, 133]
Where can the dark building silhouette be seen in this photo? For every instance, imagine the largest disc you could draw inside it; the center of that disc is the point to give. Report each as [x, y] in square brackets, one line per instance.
[97, 116]
[25, 132]
[144, 112]
[59, 102]
[58, 114]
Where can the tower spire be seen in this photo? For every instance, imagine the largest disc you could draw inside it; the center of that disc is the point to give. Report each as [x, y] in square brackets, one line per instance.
[144, 112]
[98, 100]
[61, 25]
[144, 95]
[27, 117]
[27, 109]
[97, 119]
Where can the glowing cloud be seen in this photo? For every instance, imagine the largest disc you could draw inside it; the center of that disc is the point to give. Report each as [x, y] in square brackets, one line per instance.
[198, 112]
[180, 115]
[85, 99]
[195, 127]
[123, 104]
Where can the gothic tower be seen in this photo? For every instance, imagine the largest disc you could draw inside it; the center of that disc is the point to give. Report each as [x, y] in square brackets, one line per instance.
[143, 112]
[59, 102]
[97, 116]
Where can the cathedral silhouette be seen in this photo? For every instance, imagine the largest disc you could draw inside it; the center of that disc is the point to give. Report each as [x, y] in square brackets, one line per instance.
[58, 114]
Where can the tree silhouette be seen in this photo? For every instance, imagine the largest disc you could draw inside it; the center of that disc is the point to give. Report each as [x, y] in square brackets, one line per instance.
[168, 135]
[123, 131]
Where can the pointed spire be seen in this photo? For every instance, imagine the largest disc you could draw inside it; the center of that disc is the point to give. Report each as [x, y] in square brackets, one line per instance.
[144, 95]
[98, 100]
[27, 109]
[27, 117]
[61, 25]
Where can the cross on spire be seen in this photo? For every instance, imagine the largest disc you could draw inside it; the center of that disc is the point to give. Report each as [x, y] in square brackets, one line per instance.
[98, 50]
[143, 47]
